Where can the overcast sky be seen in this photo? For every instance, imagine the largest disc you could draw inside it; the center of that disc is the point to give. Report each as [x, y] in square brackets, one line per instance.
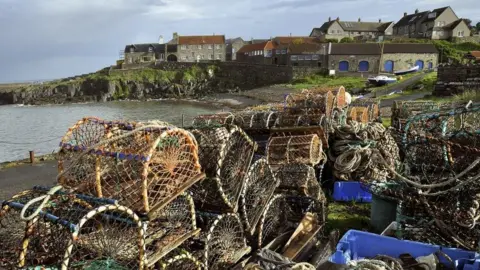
[49, 39]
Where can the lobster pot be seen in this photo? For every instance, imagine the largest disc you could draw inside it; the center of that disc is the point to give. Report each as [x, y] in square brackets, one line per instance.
[225, 242]
[312, 119]
[213, 119]
[299, 179]
[184, 261]
[402, 110]
[226, 154]
[372, 105]
[173, 225]
[283, 213]
[359, 114]
[255, 119]
[339, 117]
[259, 188]
[340, 98]
[302, 149]
[287, 119]
[319, 131]
[143, 167]
[105, 233]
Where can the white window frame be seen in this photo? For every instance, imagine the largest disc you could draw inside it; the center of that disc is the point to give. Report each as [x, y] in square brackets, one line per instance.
[210, 46]
[301, 58]
[183, 47]
[132, 49]
[315, 57]
[184, 57]
[219, 56]
[211, 56]
[199, 47]
[294, 58]
[150, 49]
[284, 51]
[218, 47]
[308, 58]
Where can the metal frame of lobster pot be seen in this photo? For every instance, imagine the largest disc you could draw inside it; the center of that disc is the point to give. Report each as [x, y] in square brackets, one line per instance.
[69, 230]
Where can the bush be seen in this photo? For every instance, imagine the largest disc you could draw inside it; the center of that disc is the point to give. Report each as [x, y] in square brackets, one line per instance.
[347, 40]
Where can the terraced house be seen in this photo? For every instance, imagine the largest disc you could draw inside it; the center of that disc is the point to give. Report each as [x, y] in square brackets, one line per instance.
[200, 48]
[336, 29]
[440, 23]
[149, 53]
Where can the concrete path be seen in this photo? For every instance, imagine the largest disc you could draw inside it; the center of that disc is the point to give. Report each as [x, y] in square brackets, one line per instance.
[19, 178]
[399, 86]
[389, 102]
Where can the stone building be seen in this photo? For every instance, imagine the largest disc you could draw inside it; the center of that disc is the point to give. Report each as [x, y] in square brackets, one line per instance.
[336, 29]
[200, 48]
[308, 54]
[368, 57]
[254, 53]
[354, 57]
[441, 23]
[149, 53]
[233, 45]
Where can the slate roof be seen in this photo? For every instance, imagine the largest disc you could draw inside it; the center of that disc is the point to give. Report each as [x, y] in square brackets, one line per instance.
[252, 47]
[409, 48]
[454, 24]
[324, 27]
[363, 26]
[196, 40]
[143, 47]
[355, 49]
[438, 11]
[411, 19]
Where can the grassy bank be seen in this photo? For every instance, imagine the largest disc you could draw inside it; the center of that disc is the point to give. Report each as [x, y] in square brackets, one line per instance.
[348, 216]
[320, 80]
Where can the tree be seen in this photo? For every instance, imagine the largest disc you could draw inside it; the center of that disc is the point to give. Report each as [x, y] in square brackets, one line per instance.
[346, 40]
[469, 23]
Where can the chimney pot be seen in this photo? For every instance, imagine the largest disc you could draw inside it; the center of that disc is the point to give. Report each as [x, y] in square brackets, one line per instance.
[416, 11]
[359, 20]
[329, 19]
[379, 20]
[404, 14]
[338, 19]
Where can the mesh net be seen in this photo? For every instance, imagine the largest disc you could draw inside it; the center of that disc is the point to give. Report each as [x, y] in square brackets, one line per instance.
[259, 188]
[225, 243]
[174, 224]
[283, 214]
[372, 105]
[303, 149]
[184, 261]
[104, 234]
[144, 169]
[226, 154]
[299, 179]
[359, 114]
[212, 119]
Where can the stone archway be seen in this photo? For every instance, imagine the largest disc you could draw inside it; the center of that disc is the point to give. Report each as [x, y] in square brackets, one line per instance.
[172, 58]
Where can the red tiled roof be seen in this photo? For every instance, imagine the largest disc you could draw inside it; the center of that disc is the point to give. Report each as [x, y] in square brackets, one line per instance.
[270, 45]
[194, 40]
[253, 47]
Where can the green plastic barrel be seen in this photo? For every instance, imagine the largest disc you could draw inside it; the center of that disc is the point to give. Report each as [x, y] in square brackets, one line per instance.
[383, 212]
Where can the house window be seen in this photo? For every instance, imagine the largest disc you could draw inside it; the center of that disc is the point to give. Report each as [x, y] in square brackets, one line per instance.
[199, 47]
[129, 60]
[219, 56]
[293, 58]
[183, 47]
[132, 49]
[315, 57]
[261, 52]
[460, 33]
[184, 57]
[210, 46]
[150, 49]
[233, 50]
[284, 51]
[211, 56]
[332, 31]
[301, 58]
[278, 51]
[218, 46]
[145, 59]
[308, 57]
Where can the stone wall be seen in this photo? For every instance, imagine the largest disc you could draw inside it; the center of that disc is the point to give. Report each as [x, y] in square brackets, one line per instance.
[353, 62]
[454, 79]
[407, 60]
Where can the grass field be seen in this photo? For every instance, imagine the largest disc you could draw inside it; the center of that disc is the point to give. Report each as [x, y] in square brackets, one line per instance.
[320, 80]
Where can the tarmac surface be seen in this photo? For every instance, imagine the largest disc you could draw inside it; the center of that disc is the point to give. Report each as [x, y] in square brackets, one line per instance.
[23, 177]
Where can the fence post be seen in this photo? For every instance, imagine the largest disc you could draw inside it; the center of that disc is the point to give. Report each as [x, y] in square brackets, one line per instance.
[183, 120]
[32, 157]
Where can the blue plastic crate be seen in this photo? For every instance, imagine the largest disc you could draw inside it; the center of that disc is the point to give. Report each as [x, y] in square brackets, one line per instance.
[350, 191]
[356, 245]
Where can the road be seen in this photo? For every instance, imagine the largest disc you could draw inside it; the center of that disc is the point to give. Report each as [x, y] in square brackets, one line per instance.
[22, 177]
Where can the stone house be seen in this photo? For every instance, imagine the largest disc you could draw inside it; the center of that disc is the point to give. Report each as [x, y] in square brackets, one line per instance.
[354, 57]
[406, 55]
[307, 54]
[368, 57]
[441, 23]
[336, 29]
[200, 48]
[232, 47]
[256, 53]
[149, 53]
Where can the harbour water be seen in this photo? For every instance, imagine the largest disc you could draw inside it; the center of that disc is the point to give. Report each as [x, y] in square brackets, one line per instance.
[40, 128]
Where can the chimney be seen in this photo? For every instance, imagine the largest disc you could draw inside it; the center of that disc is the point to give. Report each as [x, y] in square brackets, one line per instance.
[160, 40]
[359, 20]
[379, 20]
[404, 14]
[175, 37]
[329, 19]
[338, 19]
[416, 11]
